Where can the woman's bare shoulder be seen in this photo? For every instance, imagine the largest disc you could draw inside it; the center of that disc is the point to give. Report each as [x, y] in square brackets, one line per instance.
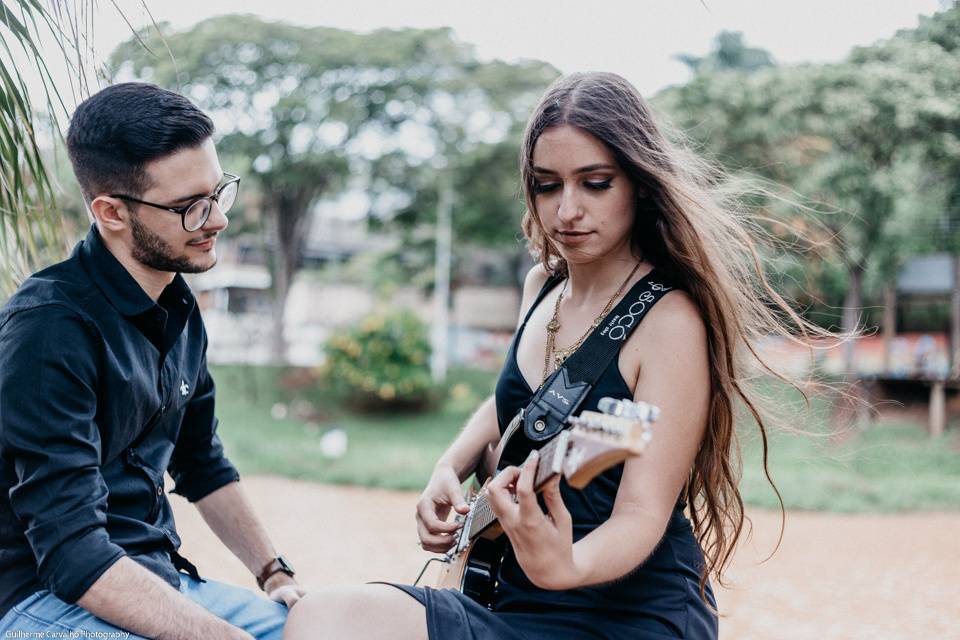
[674, 324]
[532, 284]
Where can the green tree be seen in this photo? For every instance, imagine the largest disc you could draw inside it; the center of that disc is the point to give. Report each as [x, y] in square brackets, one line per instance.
[318, 109]
[483, 172]
[848, 136]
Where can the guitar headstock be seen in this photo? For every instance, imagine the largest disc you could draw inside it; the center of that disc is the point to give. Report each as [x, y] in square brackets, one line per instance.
[597, 441]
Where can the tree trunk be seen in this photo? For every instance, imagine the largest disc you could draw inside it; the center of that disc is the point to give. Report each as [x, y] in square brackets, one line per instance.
[282, 274]
[889, 324]
[852, 305]
[290, 224]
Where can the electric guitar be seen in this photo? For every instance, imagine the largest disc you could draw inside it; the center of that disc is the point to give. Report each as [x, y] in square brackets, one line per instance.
[594, 443]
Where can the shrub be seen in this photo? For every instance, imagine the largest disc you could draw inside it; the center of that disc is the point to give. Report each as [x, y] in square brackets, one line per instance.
[381, 363]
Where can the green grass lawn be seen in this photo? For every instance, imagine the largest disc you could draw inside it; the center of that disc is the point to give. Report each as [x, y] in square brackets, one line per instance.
[394, 451]
[887, 467]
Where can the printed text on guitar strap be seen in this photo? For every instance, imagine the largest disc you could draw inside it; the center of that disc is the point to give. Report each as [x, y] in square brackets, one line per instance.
[564, 390]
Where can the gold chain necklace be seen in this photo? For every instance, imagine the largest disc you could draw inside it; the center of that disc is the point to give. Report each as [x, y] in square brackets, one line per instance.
[559, 355]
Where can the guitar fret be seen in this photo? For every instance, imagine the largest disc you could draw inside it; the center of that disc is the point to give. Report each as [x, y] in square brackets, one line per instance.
[482, 516]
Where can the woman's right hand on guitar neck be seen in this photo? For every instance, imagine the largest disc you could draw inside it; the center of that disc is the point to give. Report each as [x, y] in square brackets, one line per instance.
[443, 493]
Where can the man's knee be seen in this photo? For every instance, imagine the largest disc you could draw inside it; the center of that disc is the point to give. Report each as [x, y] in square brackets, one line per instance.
[257, 615]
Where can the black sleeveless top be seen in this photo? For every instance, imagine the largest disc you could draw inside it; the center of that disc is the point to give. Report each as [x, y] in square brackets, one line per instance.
[661, 598]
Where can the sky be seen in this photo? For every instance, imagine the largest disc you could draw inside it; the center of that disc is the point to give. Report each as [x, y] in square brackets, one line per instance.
[638, 39]
[635, 38]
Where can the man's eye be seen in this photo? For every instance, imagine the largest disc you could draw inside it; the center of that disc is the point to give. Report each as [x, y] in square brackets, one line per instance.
[598, 186]
[547, 187]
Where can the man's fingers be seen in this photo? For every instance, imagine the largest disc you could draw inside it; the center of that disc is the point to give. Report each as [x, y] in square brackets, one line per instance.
[288, 594]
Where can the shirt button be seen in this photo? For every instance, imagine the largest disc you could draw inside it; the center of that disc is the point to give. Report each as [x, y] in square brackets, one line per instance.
[159, 491]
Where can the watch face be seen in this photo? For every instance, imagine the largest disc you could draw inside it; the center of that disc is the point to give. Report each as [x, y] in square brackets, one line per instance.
[284, 565]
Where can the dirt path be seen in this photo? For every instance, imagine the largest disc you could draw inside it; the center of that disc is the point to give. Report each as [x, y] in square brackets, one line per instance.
[835, 577]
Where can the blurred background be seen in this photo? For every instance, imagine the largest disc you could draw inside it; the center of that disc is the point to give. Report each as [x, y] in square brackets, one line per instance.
[369, 281]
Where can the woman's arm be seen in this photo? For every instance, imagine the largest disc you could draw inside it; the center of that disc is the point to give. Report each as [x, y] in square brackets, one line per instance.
[674, 376]
[443, 492]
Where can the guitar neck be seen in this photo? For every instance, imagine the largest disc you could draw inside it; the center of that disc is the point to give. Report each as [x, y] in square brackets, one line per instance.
[551, 456]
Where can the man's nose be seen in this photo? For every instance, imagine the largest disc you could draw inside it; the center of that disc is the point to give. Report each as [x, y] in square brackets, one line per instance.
[218, 220]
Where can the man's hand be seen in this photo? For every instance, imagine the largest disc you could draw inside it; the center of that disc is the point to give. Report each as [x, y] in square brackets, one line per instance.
[282, 588]
[131, 597]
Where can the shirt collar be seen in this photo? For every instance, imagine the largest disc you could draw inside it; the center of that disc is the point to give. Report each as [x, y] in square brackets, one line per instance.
[120, 288]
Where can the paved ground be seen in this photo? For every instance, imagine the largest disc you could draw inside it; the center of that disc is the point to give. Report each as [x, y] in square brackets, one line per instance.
[835, 577]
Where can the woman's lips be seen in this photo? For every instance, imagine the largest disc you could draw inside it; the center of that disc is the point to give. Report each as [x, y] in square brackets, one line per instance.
[573, 237]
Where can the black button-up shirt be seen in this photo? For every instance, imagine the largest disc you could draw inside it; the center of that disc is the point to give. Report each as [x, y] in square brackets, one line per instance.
[102, 390]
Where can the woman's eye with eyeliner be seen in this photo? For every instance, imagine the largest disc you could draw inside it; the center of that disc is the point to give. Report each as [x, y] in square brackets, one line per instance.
[598, 186]
[547, 187]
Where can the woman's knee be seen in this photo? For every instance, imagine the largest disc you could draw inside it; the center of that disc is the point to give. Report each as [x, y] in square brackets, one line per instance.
[361, 611]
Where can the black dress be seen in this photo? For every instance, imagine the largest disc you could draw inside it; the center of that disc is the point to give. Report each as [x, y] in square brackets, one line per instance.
[660, 599]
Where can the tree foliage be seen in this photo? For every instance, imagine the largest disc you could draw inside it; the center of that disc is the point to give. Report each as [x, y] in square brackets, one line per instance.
[316, 110]
[730, 53]
[868, 142]
[30, 229]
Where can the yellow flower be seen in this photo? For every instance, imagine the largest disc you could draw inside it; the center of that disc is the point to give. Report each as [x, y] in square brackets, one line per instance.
[387, 392]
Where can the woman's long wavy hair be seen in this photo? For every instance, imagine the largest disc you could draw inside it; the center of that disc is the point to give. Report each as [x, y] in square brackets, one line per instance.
[687, 227]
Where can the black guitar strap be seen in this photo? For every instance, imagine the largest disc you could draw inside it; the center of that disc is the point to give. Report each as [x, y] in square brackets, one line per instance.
[564, 390]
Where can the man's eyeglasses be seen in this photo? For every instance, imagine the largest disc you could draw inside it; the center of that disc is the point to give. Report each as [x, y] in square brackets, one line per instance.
[195, 214]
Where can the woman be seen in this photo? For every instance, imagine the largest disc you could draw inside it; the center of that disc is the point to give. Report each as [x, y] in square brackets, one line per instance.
[608, 199]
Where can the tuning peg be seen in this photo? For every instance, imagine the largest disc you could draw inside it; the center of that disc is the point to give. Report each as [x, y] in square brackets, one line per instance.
[628, 409]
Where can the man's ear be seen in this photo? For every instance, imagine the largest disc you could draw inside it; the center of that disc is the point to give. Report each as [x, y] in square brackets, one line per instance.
[110, 213]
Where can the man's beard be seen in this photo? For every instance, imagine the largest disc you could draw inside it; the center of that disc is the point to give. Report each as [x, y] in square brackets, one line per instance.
[152, 251]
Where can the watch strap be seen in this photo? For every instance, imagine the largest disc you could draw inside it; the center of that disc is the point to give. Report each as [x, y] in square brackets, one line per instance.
[275, 566]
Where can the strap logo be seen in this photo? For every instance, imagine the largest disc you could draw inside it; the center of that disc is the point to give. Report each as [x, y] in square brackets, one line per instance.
[619, 327]
[562, 398]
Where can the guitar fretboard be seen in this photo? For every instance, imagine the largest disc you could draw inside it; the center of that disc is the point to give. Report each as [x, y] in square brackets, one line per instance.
[483, 515]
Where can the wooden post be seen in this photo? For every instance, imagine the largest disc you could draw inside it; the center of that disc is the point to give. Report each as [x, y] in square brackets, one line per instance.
[955, 319]
[938, 409]
[889, 324]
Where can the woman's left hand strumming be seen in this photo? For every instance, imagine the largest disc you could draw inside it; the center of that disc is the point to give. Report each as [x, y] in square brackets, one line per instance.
[543, 542]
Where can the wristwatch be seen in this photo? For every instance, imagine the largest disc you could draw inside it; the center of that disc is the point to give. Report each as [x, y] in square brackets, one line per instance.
[277, 565]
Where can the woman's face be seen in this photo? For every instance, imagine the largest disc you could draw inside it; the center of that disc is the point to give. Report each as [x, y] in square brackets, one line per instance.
[583, 198]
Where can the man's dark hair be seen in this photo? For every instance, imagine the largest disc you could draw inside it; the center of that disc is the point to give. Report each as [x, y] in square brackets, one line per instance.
[118, 130]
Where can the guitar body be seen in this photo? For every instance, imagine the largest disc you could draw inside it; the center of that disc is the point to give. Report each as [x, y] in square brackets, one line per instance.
[474, 571]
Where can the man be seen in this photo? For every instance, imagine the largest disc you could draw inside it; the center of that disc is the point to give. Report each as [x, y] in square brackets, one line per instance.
[104, 387]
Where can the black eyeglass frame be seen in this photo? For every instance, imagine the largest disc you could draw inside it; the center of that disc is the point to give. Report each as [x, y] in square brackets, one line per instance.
[182, 211]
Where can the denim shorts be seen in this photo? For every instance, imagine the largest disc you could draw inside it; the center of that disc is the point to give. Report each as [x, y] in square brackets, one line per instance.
[44, 616]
